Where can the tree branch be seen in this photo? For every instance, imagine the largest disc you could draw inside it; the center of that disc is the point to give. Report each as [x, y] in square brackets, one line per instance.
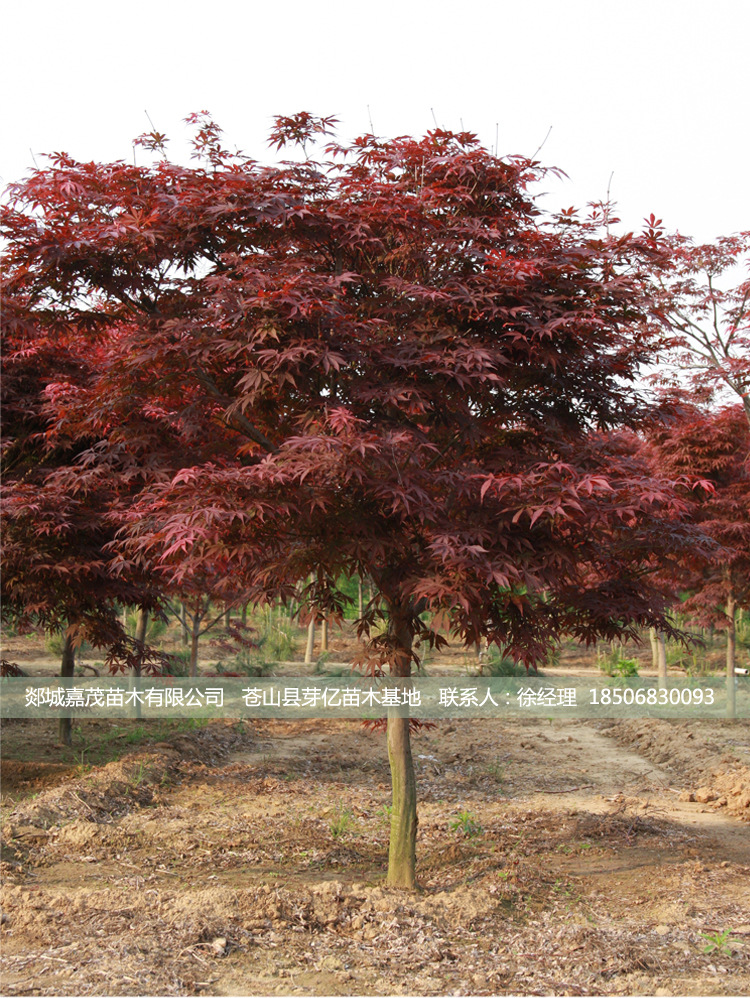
[238, 422]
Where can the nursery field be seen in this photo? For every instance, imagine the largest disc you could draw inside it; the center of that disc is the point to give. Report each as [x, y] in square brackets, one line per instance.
[248, 858]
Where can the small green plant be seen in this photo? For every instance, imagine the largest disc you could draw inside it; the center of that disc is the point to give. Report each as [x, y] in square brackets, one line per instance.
[697, 666]
[494, 663]
[82, 767]
[178, 663]
[53, 644]
[504, 667]
[467, 824]
[613, 664]
[718, 942]
[139, 776]
[335, 671]
[340, 822]
[496, 769]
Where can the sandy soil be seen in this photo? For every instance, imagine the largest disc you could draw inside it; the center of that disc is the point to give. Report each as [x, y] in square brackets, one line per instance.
[237, 859]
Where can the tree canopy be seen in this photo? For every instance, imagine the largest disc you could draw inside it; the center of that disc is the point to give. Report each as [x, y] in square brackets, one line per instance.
[386, 361]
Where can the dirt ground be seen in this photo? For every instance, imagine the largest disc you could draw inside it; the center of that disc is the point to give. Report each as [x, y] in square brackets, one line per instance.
[563, 857]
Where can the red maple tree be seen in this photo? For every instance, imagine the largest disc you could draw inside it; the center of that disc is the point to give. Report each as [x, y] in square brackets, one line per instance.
[57, 518]
[388, 363]
[713, 446]
[703, 291]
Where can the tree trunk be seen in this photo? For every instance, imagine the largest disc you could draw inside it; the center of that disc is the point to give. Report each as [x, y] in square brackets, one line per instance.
[360, 597]
[324, 635]
[194, 649]
[731, 655]
[310, 641]
[662, 661]
[67, 669]
[654, 648]
[140, 636]
[184, 632]
[402, 850]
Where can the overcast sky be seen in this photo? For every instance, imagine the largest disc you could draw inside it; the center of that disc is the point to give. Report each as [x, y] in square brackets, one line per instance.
[654, 93]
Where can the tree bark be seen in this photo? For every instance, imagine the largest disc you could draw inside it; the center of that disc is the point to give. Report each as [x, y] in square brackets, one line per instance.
[194, 637]
[402, 849]
[67, 669]
[662, 661]
[310, 641]
[141, 628]
[731, 610]
[654, 648]
[360, 597]
[324, 635]
[184, 632]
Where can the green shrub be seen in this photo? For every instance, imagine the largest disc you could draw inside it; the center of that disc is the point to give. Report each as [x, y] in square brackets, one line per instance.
[53, 644]
[613, 664]
[178, 663]
[497, 664]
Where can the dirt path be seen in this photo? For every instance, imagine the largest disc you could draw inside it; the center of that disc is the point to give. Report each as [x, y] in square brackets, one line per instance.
[553, 860]
[616, 775]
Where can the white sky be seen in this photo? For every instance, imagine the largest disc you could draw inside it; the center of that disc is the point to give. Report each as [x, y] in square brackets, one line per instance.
[655, 91]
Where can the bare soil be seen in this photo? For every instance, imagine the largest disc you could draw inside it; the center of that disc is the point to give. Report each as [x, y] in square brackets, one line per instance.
[184, 858]
[249, 859]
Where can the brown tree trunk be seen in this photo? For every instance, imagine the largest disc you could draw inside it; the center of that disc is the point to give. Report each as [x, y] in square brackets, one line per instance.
[324, 635]
[662, 661]
[402, 849]
[310, 641]
[731, 654]
[140, 636]
[67, 669]
[654, 648]
[360, 597]
[194, 637]
[184, 632]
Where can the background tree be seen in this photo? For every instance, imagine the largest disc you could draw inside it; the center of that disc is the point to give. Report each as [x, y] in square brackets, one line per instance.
[388, 363]
[58, 569]
[714, 446]
[704, 293]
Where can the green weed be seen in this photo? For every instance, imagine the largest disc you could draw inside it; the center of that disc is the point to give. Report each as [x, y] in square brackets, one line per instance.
[139, 776]
[613, 664]
[496, 769]
[467, 824]
[340, 823]
[718, 942]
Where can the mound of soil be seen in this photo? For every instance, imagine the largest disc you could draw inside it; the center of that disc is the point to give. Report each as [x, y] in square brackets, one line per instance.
[711, 760]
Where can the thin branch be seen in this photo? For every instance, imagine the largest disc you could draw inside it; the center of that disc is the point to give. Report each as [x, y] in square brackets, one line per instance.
[738, 320]
[239, 421]
[716, 314]
[229, 606]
